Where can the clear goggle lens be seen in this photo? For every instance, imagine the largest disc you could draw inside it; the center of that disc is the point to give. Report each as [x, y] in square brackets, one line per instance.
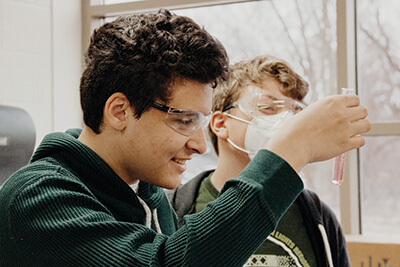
[261, 104]
[183, 121]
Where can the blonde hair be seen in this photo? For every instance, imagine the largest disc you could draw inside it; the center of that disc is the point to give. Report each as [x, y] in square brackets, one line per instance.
[255, 72]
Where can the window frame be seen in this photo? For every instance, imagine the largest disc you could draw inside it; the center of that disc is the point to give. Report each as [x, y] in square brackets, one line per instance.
[94, 12]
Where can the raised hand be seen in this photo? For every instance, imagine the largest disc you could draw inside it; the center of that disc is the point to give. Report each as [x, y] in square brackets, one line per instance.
[322, 131]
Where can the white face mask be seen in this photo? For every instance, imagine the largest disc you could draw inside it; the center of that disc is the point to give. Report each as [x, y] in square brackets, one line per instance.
[260, 130]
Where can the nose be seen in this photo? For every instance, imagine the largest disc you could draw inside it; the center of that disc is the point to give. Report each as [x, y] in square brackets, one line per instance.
[197, 142]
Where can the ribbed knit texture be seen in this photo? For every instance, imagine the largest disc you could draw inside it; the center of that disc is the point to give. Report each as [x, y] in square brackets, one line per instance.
[69, 208]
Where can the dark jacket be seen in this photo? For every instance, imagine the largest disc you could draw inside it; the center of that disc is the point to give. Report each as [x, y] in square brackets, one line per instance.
[318, 219]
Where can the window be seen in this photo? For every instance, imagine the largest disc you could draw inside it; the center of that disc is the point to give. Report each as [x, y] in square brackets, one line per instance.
[356, 50]
[378, 61]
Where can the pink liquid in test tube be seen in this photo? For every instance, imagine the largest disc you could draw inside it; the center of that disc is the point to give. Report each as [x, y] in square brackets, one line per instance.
[338, 166]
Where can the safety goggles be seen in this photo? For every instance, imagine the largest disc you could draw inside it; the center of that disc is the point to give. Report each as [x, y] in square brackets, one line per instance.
[183, 121]
[261, 104]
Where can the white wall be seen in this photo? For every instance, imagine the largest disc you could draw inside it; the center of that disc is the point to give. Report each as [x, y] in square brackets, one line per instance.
[40, 61]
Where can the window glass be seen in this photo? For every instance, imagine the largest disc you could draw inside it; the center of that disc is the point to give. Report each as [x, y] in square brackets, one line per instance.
[378, 53]
[380, 186]
[301, 32]
[378, 60]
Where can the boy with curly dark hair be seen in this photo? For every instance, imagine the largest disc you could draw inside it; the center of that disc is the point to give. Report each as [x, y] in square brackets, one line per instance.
[146, 95]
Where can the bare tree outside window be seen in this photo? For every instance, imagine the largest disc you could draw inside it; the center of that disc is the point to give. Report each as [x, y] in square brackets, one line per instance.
[379, 58]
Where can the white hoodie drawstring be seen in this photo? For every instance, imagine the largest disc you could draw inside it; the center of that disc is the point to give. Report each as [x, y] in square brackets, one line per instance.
[148, 214]
[155, 219]
[147, 211]
[328, 252]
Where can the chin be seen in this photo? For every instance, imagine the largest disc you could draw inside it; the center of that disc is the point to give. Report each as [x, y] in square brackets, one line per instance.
[165, 180]
[172, 183]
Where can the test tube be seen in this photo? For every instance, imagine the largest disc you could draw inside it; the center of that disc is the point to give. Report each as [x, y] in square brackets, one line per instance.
[338, 165]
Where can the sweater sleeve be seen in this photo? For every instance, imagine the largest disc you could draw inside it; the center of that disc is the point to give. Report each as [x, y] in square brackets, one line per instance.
[62, 224]
[245, 213]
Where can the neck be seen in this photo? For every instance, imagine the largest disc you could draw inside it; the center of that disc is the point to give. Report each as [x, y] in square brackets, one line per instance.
[230, 165]
[102, 144]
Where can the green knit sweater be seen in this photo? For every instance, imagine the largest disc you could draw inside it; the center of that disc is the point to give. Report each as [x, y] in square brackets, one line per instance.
[69, 208]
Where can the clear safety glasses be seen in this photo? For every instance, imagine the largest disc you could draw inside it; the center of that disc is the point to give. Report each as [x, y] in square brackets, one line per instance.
[183, 121]
[259, 104]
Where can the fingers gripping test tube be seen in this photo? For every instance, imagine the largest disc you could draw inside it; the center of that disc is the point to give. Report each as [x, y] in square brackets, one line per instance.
[338, 165]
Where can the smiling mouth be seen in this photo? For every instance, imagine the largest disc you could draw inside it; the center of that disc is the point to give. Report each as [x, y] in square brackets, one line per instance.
[180, 161]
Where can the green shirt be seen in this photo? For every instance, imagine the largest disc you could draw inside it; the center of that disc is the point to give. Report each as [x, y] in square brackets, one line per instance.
[288, 245]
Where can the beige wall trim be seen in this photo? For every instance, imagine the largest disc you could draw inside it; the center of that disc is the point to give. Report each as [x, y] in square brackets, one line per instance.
[153, 5]
[384, 129]
[350, 211]
[89, 23]
[346, 45]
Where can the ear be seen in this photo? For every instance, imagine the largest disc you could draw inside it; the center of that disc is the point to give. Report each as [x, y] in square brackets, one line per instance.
[116, 111]
[218, 125]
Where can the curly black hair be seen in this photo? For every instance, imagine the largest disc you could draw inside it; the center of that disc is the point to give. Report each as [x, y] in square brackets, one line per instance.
[141, 55]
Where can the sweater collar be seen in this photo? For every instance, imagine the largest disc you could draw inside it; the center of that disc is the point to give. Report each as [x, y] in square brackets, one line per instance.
[77, 154]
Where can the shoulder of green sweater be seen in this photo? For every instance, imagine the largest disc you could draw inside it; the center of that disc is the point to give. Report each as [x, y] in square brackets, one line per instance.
[35, 177]
[75, 132]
